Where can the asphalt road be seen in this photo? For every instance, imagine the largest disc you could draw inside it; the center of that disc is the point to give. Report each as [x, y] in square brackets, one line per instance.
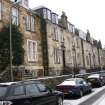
[88, 99]
[93, 99]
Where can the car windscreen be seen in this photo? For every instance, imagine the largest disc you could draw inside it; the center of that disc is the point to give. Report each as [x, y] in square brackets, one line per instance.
[3, 90]
[92, 79]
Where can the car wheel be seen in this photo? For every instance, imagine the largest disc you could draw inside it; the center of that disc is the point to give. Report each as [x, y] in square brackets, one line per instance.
[101, 84]
[80, 93]
[60, 101]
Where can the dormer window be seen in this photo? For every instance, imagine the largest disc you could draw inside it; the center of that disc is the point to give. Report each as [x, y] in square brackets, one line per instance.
[70, 27]
[54, 18]
[47, 14]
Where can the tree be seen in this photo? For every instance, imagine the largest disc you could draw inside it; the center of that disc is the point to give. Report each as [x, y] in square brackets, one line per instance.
[17, 49]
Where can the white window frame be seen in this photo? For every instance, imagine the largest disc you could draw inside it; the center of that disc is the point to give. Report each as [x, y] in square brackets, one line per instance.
[15, 17]
[45, 13]
[28, 23]
[32, 50]
[68, 56]
[0, 10]
[57, 56]
[70, 27]
[53, 18]
[32, 23]
[56, 17]
[55, 34]
[48, 14]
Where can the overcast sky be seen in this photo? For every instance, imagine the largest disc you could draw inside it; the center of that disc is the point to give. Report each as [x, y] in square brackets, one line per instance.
[84, 14]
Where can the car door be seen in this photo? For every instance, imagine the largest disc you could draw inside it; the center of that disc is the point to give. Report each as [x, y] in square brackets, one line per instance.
[18, 96]
[86, 86]
[82, 85]
[48, 96]
[33, 94]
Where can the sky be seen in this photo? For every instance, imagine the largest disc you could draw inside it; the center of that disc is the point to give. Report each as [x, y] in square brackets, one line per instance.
[84, 14]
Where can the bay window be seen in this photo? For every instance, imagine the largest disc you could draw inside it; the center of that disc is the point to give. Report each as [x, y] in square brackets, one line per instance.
[32, 50]
[49, 14]
[54, 18]
[45, 13]
[15, 16]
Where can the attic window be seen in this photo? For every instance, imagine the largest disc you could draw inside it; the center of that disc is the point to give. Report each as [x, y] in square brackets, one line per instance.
[54, 18]
[47, 14]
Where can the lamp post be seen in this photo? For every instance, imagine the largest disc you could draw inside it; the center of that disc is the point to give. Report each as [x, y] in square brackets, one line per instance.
[11, 70]
[10, 38]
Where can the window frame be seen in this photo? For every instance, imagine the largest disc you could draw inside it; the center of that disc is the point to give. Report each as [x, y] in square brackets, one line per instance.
[87, 60]
[48, 14]
[35, 57]
[16, 16]
[54, 18]
[55, 34]
[45, 13]
[30, 23]
[0, 10]
[57, 56]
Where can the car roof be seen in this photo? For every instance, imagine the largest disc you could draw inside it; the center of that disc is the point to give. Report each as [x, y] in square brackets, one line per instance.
[73, 79]
[94, 76]
[19, 82]
[8, 83]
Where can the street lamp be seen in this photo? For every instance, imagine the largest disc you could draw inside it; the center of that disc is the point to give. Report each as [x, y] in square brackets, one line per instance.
[11, 56]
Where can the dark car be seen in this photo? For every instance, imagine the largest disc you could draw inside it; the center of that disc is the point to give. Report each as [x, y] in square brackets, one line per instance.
[96, 80]
[74, 87]
[29, 93]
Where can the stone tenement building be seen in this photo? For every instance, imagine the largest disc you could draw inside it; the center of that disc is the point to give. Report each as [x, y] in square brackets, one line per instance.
[52, 46]
[29, 25]
[76, 51]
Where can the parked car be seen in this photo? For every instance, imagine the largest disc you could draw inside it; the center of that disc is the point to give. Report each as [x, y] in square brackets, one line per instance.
[74, 87]
[29, 93]
[96, 80]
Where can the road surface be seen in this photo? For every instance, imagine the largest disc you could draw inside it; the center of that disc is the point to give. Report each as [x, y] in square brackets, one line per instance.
[89, 99]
